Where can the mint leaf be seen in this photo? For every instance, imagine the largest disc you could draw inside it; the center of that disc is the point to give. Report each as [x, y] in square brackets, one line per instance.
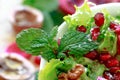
[25, 38]
[77, 43]
[38, 42]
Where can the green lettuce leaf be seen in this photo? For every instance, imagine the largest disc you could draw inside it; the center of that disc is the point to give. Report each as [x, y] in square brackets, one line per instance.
[93, 69]
[49, 71]
[55, 67]
[109, 43]
[81, 17]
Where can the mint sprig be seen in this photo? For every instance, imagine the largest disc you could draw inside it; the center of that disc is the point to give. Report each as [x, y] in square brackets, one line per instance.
[38, 42]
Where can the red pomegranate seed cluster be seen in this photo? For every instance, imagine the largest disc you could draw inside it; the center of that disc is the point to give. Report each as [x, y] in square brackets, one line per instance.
[110, 62]
[113, 65]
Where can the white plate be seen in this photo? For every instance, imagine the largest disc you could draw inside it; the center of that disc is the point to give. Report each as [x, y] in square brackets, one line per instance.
[113, 8]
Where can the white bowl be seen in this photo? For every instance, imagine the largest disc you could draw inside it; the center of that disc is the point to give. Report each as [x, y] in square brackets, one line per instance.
[113, 8]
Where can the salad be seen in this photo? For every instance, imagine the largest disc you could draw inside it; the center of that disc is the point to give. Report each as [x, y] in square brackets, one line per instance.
[89, 49]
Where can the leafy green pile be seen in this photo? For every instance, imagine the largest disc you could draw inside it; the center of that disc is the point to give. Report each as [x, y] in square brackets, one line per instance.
[73, 45]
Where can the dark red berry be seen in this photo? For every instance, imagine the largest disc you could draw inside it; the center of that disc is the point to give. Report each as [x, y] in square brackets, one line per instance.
[112, 62]
[59, 41]
[117, 76]
[99, 19]
[92, 55]
[81, 29]
[113, 25]
[114, 69]
[104, 57]
[37, 60]
[118, 50]
[95, 33]
[117, 30]
[118, 44]
[107, 75]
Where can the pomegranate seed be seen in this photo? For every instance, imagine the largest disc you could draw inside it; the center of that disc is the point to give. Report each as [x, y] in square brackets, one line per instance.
[118, 39]
[104, 57]
[95, 33]
[92, 55]
[59, 41]
[107, 75]
[113, 25]
[117, 76]
[118, 50]
[99, 19]
[114, 69]
[118, 44]
[37, 60]
[81, 29]
[112, 62]
[117, 30]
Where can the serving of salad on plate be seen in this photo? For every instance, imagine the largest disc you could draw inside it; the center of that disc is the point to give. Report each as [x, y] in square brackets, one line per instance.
[87, 48]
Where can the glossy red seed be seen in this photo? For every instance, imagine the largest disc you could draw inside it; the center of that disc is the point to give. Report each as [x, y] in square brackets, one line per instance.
[113, 25]
[92, 55]
[107, 75]
[112, 62]
[95, 33]
[118, 39]
[117, 76]
[117, 30]
[81, 29]
[37, 60]
[99, 19]
[59, 41]
[118, 44]
[104, 57]
[114, 69]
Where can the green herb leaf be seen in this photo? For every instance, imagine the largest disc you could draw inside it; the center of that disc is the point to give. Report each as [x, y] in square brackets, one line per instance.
[77, 43]
[38, 42]
[26, 37]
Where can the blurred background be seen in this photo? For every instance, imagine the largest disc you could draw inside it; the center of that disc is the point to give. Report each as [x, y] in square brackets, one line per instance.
[17, 15]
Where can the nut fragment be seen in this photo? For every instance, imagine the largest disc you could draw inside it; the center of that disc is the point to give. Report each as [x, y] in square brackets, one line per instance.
[73, 74]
